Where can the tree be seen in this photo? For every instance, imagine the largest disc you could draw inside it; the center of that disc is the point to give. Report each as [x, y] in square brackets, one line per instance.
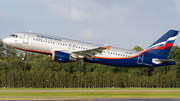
[137, 48]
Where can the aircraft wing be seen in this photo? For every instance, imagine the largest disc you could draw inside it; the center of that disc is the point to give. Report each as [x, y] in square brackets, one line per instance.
[91, 52]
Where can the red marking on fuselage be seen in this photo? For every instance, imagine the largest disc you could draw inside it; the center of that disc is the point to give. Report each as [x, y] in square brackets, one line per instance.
[33, 51]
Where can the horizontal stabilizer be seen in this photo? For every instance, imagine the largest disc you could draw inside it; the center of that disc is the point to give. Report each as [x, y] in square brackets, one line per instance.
[159, 61]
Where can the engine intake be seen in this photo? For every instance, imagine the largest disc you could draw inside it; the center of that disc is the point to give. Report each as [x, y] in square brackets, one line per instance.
[62, 57]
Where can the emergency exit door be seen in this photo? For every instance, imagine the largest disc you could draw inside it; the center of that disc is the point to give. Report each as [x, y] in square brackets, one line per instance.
[26, 38]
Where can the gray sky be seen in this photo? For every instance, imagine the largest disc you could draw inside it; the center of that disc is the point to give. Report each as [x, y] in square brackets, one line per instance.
[120, 23]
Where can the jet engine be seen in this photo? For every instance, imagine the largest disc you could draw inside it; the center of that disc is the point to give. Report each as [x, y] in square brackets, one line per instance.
[62, 57]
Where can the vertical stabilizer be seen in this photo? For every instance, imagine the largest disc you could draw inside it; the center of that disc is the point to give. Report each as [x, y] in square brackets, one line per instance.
[163, 45]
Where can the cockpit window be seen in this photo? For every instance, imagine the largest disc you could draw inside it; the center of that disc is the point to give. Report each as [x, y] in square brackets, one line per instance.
[13, 35]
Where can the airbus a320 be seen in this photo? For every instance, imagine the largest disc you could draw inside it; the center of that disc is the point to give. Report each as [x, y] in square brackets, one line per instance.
[66, 50]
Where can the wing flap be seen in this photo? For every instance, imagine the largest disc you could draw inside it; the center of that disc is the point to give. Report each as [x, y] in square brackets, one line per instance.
[91, 52]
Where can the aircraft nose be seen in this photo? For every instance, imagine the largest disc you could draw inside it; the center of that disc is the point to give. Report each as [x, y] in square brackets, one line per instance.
[6, 41]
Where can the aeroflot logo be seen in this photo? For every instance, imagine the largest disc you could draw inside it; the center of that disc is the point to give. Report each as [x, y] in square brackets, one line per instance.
[48, 37]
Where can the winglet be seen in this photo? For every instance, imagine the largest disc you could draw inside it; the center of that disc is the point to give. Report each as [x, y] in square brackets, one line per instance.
[108, 47]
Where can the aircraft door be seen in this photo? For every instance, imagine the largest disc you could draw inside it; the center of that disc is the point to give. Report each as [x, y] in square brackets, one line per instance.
[26, 38]
[74, 47]
[140, 59]
[69, 47]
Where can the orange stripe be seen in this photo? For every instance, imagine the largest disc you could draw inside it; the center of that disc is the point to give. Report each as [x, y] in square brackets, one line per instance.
[115, 57]
[91, 56]
[33, 51]
[54, 56]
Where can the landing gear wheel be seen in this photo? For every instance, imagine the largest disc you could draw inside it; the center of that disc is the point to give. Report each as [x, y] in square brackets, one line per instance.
[82, 68]
[24, 55]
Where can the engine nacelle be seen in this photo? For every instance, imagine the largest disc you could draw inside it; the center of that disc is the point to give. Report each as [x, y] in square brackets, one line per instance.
[62, 57]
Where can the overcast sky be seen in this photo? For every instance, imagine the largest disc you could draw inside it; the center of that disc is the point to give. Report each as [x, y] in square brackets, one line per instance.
[120, 23]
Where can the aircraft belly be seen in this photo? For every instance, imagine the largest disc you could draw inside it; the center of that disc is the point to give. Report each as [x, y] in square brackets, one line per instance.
[130, 62]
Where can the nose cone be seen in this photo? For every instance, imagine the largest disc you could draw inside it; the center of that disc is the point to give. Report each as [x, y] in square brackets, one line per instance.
[6, 41]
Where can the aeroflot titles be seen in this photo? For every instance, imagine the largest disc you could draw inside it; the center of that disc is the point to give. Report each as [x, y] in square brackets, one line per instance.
[40, 36]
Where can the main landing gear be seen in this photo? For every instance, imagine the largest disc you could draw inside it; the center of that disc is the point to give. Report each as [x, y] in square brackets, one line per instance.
[81, 68]
[24, 55]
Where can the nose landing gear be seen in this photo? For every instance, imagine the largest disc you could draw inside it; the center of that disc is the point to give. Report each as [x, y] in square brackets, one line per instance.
[24, 55]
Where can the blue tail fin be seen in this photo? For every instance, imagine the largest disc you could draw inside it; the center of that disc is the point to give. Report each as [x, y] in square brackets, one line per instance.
[163, 45]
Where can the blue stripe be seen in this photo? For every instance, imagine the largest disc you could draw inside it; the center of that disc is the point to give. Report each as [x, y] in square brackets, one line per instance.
[156, 46]
[165, 37]
[170, 41]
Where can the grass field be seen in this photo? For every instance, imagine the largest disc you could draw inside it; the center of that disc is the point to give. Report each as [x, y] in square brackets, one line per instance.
[89, 89]
[79, 92]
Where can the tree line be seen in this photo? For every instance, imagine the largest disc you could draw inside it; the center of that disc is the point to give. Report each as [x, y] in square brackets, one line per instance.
[39, 71]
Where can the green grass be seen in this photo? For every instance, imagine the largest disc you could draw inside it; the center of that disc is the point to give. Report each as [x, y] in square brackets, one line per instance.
[142, 94]
[112, 94]
[89, 89]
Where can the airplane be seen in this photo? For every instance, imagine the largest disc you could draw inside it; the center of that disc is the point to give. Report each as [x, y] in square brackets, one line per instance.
[66, 50]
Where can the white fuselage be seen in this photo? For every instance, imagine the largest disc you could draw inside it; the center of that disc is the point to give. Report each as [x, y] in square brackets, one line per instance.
[48, 44]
